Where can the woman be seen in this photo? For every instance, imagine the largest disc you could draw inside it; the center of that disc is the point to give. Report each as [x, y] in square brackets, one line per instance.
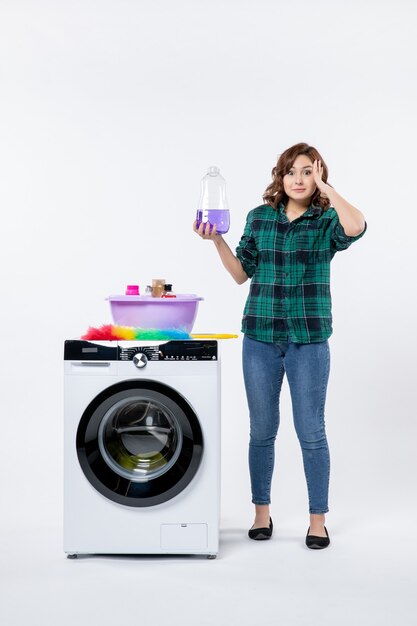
[286, 249]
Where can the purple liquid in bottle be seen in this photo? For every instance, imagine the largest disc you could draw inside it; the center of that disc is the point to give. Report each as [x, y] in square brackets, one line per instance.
[220, 217]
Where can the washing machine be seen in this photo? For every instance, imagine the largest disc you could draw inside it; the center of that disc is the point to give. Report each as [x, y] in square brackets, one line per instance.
[141, 447]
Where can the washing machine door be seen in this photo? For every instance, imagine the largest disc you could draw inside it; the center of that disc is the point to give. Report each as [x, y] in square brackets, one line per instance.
[139, 443]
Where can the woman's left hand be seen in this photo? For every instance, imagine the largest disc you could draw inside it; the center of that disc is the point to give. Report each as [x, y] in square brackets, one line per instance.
[317, 175]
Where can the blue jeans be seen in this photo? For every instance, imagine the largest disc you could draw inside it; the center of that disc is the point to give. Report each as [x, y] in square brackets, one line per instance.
[307, 366]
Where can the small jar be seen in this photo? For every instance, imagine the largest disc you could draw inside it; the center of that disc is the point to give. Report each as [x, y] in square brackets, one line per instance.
[158, 285]
[132, 290]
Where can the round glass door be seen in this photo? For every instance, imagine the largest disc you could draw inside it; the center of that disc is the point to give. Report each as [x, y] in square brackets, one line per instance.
[139, 443]
[140, 438]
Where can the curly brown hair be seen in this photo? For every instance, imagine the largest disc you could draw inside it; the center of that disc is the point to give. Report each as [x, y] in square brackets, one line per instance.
[274, 193]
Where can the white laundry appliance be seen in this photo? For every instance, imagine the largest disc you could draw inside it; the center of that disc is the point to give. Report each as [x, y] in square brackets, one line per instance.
[142, 447]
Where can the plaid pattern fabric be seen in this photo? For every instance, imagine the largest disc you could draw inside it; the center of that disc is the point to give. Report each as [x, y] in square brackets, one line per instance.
[289, 263]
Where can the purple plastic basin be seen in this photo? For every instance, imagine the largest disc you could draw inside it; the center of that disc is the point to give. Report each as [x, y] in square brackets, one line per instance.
[161, 313]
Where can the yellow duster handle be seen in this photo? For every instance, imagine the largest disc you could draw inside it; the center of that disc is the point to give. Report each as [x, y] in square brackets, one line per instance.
[214, 336]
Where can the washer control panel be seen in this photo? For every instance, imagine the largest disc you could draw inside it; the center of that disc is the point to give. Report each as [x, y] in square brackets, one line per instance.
[181, 350]
[173, 351]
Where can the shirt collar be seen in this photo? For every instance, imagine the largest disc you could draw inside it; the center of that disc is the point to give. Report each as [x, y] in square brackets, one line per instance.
[314, 210]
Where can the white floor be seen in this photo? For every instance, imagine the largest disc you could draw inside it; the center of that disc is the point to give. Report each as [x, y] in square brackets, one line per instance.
[366, 576]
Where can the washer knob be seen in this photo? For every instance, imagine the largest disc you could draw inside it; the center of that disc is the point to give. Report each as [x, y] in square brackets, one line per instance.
[140, 360]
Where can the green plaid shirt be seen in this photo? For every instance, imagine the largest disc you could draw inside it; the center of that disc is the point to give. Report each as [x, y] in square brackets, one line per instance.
[289, 263]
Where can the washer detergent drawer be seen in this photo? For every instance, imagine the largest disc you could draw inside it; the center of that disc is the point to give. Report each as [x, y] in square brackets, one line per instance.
[183, 537]
[91, 368]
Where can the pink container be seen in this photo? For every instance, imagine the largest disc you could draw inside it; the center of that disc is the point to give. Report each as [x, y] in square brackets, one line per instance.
[161, 313]
[132, 290]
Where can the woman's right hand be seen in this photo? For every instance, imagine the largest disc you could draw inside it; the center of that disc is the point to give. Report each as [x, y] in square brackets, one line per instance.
[204, 231]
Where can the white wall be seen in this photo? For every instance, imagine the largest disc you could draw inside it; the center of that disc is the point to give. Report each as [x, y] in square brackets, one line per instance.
[111, 110]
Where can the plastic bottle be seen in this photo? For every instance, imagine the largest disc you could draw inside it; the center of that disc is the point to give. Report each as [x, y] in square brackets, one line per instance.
[213, 207]
[168, 293]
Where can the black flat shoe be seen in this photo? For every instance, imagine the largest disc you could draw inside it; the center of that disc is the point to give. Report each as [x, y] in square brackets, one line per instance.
[261, 533]
[317, 543]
